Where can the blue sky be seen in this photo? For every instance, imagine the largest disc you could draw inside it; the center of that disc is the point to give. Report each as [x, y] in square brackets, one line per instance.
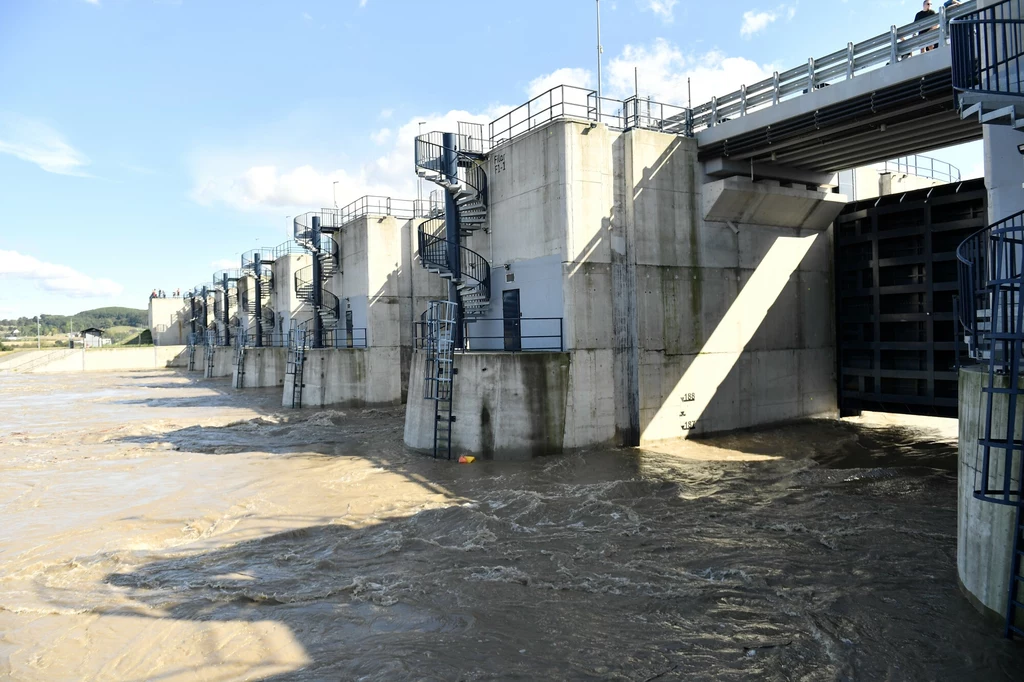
[147, 143]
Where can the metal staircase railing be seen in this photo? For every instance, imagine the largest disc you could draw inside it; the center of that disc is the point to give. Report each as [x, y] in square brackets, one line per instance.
[241, 342]
[988, 63]
[46, 359]
[468, 189]
[329, 309]
[209, 349]
[297, 343]
[991, 299]
[475, 283]
[441, 319]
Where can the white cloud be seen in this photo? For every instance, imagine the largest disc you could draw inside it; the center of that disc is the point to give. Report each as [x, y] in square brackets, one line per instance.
[56, 278]
[93, 2]
[267, 186]
[362, 3]
[261, 182]
[37, 143]
[663, 8]
[755, 22]
[307, 16]
[664, 69]
[385, 114]
[581, 78]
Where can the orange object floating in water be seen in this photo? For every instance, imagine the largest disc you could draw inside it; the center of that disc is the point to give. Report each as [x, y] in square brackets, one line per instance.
[466, 459]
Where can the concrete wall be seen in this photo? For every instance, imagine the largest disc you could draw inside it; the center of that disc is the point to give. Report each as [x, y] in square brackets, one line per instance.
[113, 360]
[289, 310]
[734, 294]
[506, 406]
[984, 529]
[168, 321]
[1004, 171]
[348, 377]
[263, 368]
[223, 361]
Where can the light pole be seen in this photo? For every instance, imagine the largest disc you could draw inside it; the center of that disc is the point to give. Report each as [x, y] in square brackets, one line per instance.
[334, 187]
[419, 180]
[600, 51]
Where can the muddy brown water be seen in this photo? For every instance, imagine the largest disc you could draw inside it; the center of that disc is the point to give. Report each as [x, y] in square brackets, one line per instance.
[157, 527]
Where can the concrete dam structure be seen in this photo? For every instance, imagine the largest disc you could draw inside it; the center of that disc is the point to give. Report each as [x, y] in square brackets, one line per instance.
[592, 271]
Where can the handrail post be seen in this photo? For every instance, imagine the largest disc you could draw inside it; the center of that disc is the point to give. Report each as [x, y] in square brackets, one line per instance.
[810, 75]
[775, 88]
[714, 111]
[943, 25]
[850, 61]
[893, 52]
[743, 100]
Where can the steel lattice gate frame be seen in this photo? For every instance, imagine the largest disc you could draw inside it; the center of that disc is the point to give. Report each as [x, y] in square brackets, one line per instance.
[895, 281]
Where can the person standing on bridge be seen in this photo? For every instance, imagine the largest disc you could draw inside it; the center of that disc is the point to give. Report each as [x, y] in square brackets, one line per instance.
[926, 11]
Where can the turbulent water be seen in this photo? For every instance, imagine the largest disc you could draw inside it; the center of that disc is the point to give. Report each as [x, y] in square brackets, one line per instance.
[156, 527]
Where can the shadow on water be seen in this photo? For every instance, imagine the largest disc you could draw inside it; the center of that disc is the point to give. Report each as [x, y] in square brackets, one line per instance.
[831, 558]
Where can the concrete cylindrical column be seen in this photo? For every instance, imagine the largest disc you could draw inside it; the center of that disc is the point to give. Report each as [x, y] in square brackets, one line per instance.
[985, 530]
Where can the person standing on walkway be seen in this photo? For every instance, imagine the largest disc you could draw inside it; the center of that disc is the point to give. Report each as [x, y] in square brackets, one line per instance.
[926, 11]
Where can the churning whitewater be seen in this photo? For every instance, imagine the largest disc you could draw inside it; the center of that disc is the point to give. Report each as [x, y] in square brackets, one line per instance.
[157, 527]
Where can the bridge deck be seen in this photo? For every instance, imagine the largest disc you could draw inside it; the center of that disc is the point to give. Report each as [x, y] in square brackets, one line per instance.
[903, 108]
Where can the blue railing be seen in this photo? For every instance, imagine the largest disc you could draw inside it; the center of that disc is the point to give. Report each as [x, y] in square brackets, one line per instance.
[496, 335]
[988, 49]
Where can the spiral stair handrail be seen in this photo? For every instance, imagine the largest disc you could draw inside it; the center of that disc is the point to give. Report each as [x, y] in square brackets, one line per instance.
[995, 253]
[988, 51]
[304, 283]
[430, 150]
[434, 253]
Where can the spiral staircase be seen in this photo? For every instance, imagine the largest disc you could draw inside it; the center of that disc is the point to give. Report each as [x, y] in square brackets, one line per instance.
[258, 306]
[987, 63]
[226, 282]
[198, 321]
[455, 162]
[315, 233]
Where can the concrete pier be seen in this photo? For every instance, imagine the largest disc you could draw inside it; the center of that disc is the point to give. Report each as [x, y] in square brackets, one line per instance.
[686, 304]
[985, 530]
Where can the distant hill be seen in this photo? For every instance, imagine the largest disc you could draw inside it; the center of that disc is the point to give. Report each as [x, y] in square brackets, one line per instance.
[102, 318]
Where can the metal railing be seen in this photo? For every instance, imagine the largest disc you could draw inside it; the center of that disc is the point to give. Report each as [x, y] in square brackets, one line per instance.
[249, 259]
[988, 49]
[345, 338]
[857, 58]
[994, 254]
[268, 339]
[566, 101]
[501, 335]
[434, 252]
[334, 219]
[430, 153]
[289, 247]
[562, 101]
[649, 115]
[233, 275]
[922, 167]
